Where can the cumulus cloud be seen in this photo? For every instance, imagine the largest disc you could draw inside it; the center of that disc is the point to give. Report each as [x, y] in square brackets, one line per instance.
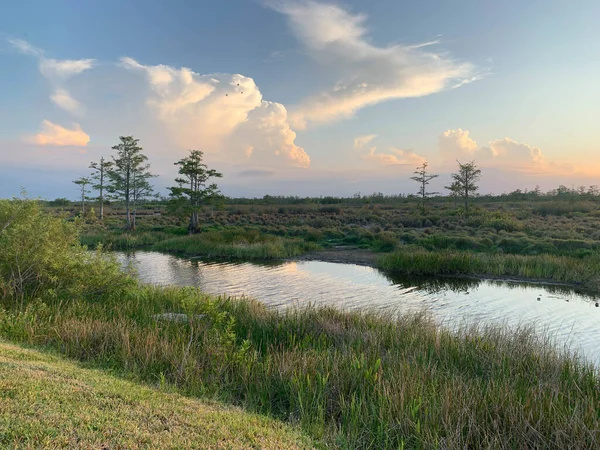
[514, 151]
[367, 74]
[57, 71]
[502, 153]
[56, 135]
[361, 141]
[457, 144]
[220, 113]
[395, 156]
[268, 130]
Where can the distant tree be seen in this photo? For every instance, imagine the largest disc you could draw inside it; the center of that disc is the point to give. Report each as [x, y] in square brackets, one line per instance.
[99, 176]
[193, 190]
[454, 191]
[464, 182]
[128, 176]
[423, 177]
[83, 182]
[562, 191]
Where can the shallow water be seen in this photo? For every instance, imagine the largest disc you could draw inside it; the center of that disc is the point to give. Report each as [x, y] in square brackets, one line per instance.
[570, 318]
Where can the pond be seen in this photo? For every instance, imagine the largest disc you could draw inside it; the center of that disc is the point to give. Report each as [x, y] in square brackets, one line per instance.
[570, 318]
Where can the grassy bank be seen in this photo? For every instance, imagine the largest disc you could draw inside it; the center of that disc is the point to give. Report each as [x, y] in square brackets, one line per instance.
[561, 269]
[348, 379]
[48, 402]
[230, 243]
[235, 244]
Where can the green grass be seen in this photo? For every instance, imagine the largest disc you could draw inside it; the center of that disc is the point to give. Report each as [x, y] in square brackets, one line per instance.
[349, 380]
[121, 240]
[561, 269]
[48, 402]
[235, 244]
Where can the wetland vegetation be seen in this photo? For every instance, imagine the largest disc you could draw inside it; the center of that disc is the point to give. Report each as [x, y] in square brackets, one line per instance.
[347, 379]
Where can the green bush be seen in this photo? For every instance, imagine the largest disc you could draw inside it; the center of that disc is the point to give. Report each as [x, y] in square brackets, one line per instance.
[40, 255]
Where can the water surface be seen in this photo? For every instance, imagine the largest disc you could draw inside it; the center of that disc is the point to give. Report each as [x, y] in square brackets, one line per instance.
[568, 317]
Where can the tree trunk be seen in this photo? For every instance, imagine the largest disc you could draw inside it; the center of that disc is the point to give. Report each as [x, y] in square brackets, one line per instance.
[102, 190]
[128, 212]
[193, 227]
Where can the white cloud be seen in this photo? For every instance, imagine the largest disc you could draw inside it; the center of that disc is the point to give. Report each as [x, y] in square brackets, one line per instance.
[457, 144]
[56, 135]
[25, 47]
[220, 113]
[361, 141]
[64, 68]
[503, 153]
[270, 133]
[395, 156]
[63, 99]
[57, 71]
[53, 68]
[515, 151]
[368, 74]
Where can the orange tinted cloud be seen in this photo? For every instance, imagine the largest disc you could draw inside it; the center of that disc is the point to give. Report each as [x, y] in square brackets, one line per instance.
[56, 135]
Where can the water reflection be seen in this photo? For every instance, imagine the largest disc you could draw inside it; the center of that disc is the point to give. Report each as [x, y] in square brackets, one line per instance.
[464, 285]
[571, 318]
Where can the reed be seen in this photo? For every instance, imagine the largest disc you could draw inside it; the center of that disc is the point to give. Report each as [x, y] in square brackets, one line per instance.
[546, 267]
[240, 245]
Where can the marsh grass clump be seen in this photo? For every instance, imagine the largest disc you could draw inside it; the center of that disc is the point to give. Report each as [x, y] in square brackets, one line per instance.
[236, 243]
[562, 269]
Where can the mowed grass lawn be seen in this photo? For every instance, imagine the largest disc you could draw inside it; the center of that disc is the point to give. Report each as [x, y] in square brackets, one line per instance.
[48, 402]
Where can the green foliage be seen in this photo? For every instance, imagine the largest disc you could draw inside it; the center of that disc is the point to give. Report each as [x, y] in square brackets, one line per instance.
[40, 255]
[83, 183]
[129, 176]
[423, 177]
[450, 262]
[192, 191]
[100, 177]
[235, 243]
[561, 208]
[464, 182]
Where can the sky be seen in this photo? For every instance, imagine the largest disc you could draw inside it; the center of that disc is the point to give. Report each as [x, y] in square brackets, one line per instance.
[302, 97]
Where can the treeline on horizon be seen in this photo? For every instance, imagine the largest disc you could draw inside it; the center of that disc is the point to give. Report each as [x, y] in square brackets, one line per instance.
[562, 192]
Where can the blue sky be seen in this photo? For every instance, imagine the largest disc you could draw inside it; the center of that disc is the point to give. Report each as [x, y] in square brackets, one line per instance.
[302, 97]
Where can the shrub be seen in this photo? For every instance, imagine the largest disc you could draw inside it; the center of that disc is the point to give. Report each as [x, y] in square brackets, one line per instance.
[40, 255]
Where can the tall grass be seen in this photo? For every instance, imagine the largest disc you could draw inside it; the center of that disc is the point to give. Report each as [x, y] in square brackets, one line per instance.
[448, 262]
[351, 380]
[122, 240]
[235, 244]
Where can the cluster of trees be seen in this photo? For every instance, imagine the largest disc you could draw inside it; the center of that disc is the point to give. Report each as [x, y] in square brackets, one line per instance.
[464, 183]
[126, 177]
